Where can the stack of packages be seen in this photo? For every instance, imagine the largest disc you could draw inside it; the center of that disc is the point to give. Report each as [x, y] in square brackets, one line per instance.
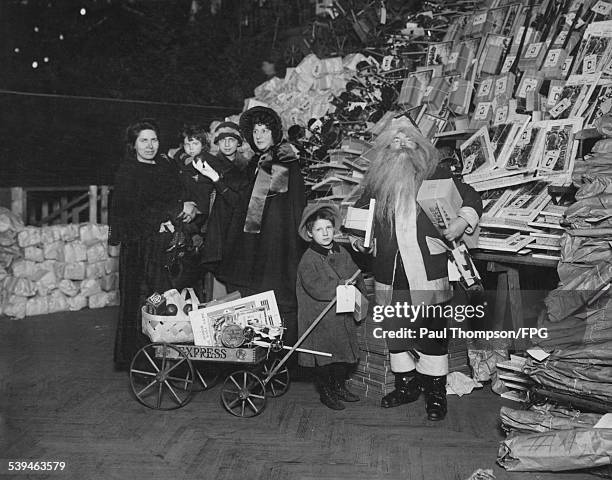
[56, 268]
[307, 90]
[578, 369]
[555, 439]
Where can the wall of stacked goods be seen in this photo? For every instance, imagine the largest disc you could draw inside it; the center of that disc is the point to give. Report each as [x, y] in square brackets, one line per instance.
[55, 268]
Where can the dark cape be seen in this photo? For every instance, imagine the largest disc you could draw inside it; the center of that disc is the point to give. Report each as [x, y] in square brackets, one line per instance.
[144, 196]
[268, 260]
[226, 219]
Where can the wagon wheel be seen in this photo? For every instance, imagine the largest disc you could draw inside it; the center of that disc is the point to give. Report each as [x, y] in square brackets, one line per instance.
[279, 383]
[160, 376]
[243, 394]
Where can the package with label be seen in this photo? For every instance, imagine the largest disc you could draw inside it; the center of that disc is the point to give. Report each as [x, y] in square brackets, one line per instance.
[441, 201]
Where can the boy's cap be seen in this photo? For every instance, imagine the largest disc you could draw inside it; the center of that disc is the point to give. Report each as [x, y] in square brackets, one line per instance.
[313, 208]
[227, 129]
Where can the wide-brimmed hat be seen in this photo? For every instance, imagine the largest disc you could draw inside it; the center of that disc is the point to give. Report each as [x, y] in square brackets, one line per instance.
[264, 115]
[313, 208]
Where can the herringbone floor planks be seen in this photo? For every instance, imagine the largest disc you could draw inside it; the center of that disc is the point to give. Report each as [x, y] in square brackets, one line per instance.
[61, 400]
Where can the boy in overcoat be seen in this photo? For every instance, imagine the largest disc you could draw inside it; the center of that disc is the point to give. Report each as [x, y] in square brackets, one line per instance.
[323, 267]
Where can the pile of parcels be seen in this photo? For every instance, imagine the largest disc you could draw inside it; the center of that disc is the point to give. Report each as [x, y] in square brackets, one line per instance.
[505, 88]
[55, 268]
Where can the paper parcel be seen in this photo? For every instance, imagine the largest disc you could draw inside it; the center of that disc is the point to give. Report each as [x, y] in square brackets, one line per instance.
[441, 201]
[350, 300]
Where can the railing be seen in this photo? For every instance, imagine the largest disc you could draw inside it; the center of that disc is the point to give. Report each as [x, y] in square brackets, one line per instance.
[50, 205]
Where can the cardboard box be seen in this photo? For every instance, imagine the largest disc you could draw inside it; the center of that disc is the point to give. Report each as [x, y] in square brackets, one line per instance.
[440, 200]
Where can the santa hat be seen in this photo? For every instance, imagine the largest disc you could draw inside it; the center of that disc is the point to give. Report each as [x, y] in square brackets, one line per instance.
[227, 129]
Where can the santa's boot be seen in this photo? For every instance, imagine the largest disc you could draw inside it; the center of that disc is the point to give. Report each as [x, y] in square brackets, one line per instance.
[435, 396]
[407, 389]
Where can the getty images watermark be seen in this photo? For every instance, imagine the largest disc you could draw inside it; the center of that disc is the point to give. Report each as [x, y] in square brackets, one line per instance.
[408, 313]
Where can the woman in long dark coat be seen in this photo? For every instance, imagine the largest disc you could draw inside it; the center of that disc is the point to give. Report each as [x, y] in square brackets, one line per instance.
[268, 250]
[147, 193]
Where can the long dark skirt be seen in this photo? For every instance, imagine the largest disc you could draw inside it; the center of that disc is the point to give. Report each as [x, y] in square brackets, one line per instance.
[141, 272]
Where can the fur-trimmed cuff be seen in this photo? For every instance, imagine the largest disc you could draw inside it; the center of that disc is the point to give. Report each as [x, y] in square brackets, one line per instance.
[402, 362]
[470, 216]
[432, 365]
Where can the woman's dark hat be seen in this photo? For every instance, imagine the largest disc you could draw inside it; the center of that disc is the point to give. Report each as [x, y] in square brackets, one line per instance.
[264, 115]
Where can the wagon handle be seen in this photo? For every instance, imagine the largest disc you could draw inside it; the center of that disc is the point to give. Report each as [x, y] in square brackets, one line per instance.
[312, 326]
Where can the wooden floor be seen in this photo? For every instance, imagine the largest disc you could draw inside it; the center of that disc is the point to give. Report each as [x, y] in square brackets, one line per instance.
[62, 401]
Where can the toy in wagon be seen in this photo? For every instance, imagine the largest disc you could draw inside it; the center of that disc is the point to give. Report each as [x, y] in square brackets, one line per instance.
[189, 338]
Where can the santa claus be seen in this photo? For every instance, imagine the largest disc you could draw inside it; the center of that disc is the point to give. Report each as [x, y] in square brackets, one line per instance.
[411, 264]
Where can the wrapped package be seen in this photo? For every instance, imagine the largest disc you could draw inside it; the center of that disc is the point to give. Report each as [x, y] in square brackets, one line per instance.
[69, 288]
[90, 286]
[74, 271]
[57, 302]
[557, 450]
[539, 419]
[15, 307]
[24, 287]
[112, 265]
[96, 270]
[92, 233]
[29, 236]
[75, 251]
[484, 362]
[69, 232]
[50, 234]
[54, 250]
[114, 250]
[96, 253]
[24, 268]
[110, 282]
[98, 300]
[47, 282]
[77, 302]
[9, 221]
[8, 255]
[8, 238]
[34, 254]
[113, 298]
[37, 306]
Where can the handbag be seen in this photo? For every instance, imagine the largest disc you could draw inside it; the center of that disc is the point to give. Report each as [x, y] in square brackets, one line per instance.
[183, 259]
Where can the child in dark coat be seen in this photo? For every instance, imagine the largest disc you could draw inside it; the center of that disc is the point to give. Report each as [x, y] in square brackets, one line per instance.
[323, 267]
